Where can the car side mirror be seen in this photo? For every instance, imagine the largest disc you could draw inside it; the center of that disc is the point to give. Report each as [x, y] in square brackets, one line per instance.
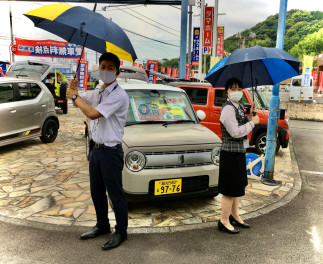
[200, 114]
[282, 113]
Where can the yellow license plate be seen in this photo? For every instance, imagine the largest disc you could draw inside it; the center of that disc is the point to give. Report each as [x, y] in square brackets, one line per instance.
[168, 186]
[301, 98]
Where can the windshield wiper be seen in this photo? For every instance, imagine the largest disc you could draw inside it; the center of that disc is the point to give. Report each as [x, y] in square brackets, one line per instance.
[146, 122]
[178, 122]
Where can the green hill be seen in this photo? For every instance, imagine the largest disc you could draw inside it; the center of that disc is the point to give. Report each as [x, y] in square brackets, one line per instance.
[300, 25]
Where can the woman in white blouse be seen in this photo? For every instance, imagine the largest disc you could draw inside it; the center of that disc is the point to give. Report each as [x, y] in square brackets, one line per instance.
[235, 127]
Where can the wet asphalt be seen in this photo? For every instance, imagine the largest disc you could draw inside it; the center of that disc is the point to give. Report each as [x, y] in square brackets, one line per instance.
[290, 234]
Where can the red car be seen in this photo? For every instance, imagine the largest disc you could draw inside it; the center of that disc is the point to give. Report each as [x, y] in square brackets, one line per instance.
[210, 100]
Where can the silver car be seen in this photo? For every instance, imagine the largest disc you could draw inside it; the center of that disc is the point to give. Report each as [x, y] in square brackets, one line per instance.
[27, 111]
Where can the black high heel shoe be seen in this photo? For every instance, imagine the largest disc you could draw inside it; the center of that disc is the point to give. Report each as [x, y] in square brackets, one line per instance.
[221, 227]
[234, 221]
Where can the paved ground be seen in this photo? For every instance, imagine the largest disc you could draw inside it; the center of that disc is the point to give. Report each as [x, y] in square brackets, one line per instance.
[47, 185]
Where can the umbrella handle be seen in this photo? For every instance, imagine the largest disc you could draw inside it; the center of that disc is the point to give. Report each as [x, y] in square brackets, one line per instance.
[79, 61]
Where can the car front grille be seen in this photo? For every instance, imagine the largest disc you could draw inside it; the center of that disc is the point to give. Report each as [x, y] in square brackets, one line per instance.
[189, 184]
[178, 159]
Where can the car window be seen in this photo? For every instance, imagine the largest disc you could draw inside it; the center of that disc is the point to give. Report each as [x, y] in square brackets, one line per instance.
[220, 98]
[158, 105]
[28, 91]
[6, 92]
[197, 96]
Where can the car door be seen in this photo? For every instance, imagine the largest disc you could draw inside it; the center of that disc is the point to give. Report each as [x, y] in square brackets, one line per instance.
[31, 108]
[219, 100]
[199, 99]
[9, 118]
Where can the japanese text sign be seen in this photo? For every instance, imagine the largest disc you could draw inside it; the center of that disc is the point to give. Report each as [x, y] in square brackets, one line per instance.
[82, 75]
[46, 48]
[196, 46]
[220, 42]
[152, 66]
[208, 26]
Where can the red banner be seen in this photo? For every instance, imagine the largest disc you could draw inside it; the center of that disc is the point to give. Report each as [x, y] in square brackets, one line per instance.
[46, 48]
[174, 74]
[208, 26]
[321, 82]
[192, 73]
[188, 71]
[220, 42]
[169, 71]
[140, 65]
[162, 69]
[152, 65]
[315, 75]
[134, 64]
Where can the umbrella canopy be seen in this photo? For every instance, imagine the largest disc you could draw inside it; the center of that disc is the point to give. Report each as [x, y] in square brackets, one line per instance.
[72, 23]
[254, 66]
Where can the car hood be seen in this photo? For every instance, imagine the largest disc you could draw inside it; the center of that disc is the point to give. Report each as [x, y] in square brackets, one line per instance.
[173, 134]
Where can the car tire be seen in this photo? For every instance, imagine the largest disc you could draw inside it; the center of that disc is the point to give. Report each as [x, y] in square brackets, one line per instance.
[260, 143]
[49, 131]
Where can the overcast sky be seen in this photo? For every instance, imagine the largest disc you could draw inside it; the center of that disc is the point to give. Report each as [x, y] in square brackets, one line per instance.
[239, 15]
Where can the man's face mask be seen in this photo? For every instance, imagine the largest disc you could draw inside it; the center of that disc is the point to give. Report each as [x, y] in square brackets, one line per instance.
[107, 76]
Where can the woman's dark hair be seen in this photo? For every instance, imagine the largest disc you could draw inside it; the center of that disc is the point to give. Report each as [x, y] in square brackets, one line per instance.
[111, 57]
[230, 82]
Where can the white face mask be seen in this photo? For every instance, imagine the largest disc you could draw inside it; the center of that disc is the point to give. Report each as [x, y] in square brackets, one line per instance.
[107, 76]
[235, 96]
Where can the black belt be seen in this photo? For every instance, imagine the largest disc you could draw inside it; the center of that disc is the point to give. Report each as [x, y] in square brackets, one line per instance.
[98, 145]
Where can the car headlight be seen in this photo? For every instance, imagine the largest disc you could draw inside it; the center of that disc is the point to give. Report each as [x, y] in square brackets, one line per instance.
[135, 161]
[215, 156]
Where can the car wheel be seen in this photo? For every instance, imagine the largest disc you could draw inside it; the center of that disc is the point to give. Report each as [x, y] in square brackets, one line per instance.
[49, 131]
[261, 143]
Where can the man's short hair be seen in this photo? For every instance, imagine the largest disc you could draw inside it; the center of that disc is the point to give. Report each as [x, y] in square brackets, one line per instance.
[111, 57]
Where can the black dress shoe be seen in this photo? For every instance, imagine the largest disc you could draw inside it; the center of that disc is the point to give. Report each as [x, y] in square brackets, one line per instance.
[115, 240]
[222, 227]
[95, 232]
[234, 221]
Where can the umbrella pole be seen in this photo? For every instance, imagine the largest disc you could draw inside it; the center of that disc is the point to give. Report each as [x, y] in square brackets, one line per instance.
[79, 61]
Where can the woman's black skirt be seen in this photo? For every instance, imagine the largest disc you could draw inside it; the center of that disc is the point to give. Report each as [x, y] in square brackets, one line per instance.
[232, 174]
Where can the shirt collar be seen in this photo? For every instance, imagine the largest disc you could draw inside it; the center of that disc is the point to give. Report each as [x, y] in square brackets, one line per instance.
[108, 88]
[235, 104]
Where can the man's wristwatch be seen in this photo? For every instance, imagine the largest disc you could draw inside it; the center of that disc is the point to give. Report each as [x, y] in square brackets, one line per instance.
[74, 96]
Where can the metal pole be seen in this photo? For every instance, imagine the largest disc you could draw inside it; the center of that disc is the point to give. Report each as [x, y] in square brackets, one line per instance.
[274, 101]
[11, 32]
[201, 39]
[183, 46]
[215, 27]
[189, 59]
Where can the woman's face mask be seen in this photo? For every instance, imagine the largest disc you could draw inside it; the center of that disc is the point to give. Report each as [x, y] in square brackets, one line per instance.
[235, 96]
[108, 76]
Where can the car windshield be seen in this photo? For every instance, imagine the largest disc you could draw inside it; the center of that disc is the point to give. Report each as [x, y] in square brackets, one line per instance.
[29, 67]
[159, 106]
[126, 75]
[260, 99]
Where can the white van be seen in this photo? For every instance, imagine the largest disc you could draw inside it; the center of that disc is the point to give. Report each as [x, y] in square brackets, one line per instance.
[300, 93]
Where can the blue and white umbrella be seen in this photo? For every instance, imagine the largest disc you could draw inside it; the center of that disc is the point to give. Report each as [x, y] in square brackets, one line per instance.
[254, 66]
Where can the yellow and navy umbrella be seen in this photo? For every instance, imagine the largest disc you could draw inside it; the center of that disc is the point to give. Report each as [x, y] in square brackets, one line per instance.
[72, 23]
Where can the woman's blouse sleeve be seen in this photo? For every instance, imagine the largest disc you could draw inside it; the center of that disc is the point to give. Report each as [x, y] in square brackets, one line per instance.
[229, 120]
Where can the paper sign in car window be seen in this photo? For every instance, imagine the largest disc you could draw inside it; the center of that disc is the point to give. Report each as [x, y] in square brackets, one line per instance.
[156, 108]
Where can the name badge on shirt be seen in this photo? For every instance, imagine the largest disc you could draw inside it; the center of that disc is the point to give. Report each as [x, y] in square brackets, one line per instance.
[246, 143]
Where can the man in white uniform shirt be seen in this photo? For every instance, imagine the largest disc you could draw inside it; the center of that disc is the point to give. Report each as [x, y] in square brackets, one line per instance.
[107, 108]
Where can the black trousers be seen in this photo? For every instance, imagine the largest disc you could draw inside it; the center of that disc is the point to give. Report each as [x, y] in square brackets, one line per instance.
[106, 174]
